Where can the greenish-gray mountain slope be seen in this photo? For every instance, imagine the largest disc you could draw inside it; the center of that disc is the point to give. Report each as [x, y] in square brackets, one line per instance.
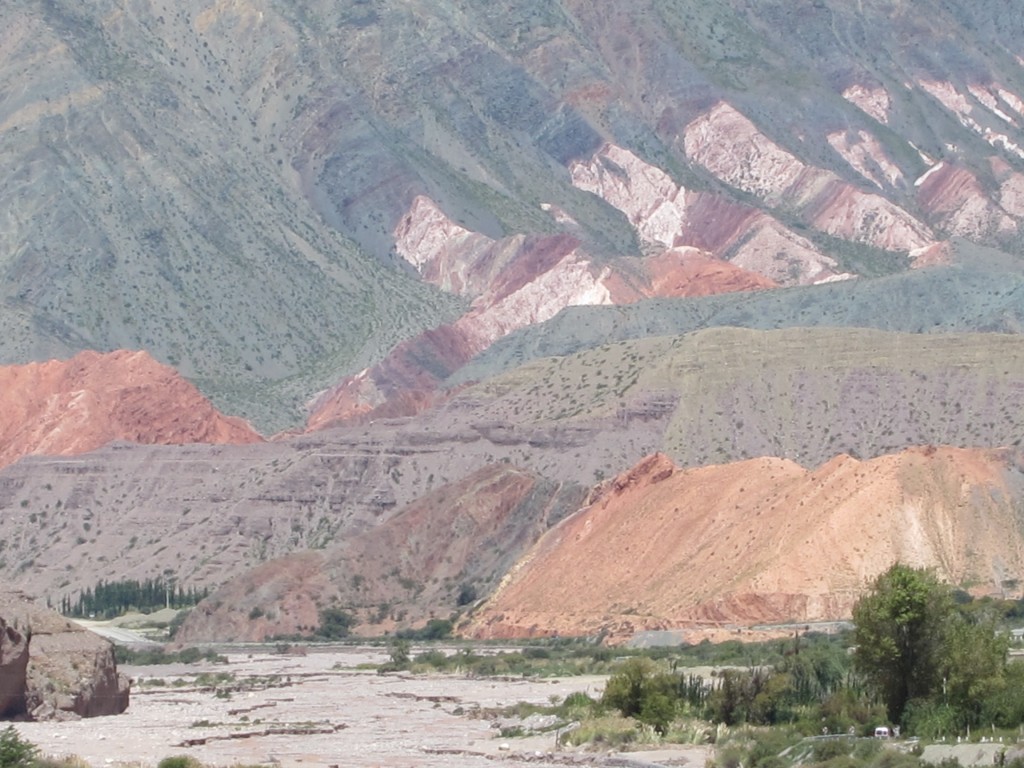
[219, 183]
[806, 394]
[986, 295]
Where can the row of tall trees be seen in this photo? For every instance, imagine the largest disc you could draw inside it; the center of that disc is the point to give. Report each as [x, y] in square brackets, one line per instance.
[108, 599]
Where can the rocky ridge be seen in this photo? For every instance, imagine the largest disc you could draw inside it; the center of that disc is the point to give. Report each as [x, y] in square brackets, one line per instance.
[211, 513]
[760, 542]
[515, 282]
[61, 408]
[351, 130]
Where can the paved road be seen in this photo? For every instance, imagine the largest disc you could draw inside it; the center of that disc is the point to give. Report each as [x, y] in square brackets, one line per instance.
[116, 635]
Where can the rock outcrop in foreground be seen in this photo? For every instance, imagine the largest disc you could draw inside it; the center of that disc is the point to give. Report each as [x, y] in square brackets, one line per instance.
[52, 669]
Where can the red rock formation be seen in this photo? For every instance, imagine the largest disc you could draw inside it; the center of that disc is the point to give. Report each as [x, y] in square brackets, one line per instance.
[690, 272]
[518, 281]
[74, 406]
[415, 563]
[758, 541]
[954, 197]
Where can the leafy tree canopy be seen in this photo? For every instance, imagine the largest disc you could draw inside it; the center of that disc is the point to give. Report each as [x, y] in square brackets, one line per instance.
[917, 649]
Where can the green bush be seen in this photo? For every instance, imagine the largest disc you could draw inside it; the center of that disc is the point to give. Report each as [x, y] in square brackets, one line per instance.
[16, 752]
[769, 744]
[578, 705]
[179, 761]
[435, 629]
[930, 719]
[334, 624]
[827, 749]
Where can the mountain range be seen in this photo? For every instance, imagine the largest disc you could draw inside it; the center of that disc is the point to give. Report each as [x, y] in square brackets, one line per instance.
[461, 268]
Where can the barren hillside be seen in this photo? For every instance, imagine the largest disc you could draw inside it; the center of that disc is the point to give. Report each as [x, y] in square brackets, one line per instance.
[456, 542]
[762, 541]
[481, 253]
[211, 513]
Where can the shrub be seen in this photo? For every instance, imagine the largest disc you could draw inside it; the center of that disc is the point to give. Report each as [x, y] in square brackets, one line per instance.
[638, 690]
[16, 752]
[435, 629]
[467, 595]
[831, 748]
[179, 761]
[334, 624]
[606, 731]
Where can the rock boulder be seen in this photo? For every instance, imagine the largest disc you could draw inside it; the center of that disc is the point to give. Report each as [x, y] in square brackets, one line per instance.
[13, 669]
[65, 671]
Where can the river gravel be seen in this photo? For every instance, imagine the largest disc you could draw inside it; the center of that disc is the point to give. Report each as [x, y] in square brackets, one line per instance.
[335, 715]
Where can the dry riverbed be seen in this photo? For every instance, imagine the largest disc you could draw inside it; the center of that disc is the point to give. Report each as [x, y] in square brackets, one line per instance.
[319, 710]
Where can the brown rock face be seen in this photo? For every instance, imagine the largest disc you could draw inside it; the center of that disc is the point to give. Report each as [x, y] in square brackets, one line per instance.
[73, 672]
[74, 406]
[760, 541]
[70, 672]
[13, 669]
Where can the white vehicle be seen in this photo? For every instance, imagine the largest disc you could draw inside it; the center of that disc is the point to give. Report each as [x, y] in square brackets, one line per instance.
[883, 732]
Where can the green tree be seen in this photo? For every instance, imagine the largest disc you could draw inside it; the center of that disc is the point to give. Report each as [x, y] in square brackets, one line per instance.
[901, 636]
[917, 646]
[626, 689]
[639, 690]
[975, 666]
[398, 650]
[334, 623]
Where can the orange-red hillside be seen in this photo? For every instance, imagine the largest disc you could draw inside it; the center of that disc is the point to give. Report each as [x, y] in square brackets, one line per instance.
[74, 406]
[758, 541]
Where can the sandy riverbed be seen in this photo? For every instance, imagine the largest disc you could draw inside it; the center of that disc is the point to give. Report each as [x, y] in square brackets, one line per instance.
[335, 715]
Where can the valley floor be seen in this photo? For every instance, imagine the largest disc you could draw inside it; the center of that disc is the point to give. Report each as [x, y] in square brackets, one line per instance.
[319, 710]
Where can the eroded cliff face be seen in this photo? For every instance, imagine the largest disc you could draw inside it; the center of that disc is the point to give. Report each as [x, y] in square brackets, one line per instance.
[873, 99]
[954, 195]
[60, 670]
[68, 407]
[991, 111]
[868, 157]
[764, 540]
[729, 145]
[520, 281]
[452, 544]
[666, 215]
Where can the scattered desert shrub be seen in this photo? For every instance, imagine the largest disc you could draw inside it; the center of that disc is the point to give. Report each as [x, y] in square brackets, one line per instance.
[179, 761]
[610, 731]
[153, 656]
